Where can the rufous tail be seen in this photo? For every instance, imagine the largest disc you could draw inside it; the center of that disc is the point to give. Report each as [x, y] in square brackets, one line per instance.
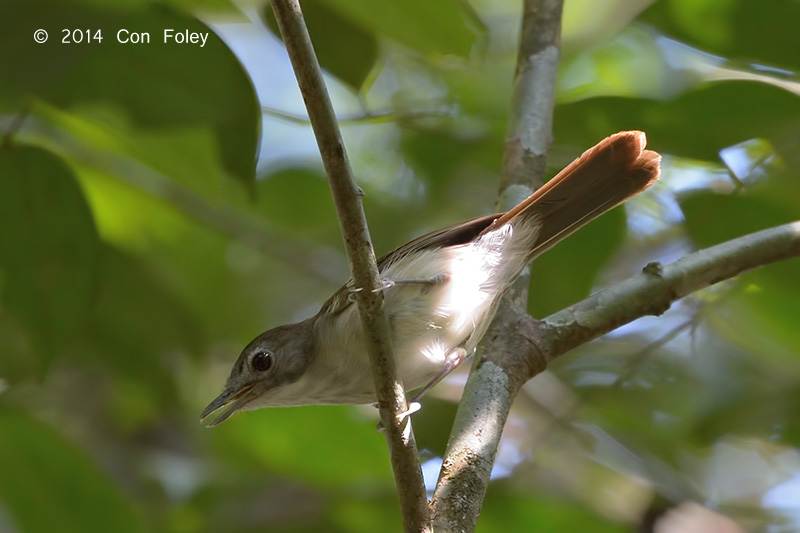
[616, 169]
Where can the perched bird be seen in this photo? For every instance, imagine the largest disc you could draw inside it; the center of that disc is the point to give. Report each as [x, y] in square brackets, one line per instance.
[442, 291]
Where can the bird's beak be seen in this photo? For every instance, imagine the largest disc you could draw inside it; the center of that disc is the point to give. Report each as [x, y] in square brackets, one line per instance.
[232, 398]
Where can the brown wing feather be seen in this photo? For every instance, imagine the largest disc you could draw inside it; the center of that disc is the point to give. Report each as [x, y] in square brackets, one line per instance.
[454, 235]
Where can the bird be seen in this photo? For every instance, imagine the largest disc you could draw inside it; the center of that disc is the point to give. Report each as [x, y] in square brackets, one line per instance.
[441, 291]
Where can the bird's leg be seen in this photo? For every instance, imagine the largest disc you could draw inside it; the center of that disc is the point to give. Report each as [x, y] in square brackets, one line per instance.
[388, 283]
[452, 360]
[436, 279]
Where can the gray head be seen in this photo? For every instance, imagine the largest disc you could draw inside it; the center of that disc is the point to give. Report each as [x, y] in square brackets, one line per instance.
[265, 371]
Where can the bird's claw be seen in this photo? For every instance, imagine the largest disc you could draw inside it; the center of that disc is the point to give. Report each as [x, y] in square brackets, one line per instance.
[413, 407]
[386, 283]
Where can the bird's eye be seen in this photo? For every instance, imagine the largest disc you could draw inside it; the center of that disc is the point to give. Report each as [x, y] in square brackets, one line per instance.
[261, 361]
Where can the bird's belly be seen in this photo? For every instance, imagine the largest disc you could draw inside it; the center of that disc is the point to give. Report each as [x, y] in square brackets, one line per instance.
[428, 321]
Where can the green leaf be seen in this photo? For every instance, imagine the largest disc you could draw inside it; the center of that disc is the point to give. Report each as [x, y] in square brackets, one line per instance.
[287, 441]
[588, 22]
[357, 515]
[299, 199]
[714, 218]
[187, 155]
[507, 509]
[770, 302]
[438, 27]
[19, 360]
[735, 29]
[224, 8]
[696, 125]
[48, 484]
[433, 423]
[136, 322]
[49, 247]
[209, 88]
[343, 48]
[566, 274]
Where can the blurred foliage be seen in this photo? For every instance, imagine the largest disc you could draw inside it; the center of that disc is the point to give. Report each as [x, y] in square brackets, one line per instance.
[42, 472]
[141, 247]
[157, 85]
[344, 49]
[53, 260]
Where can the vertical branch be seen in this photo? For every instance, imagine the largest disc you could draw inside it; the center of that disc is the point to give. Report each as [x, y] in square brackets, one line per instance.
[502, 367]
[347, 198]
[531, 119]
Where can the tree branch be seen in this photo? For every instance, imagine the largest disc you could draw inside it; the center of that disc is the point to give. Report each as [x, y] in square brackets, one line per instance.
[652, 291]
[347, 198]
[532, 101]
[367, 117]
[472, 448]
[487, 398]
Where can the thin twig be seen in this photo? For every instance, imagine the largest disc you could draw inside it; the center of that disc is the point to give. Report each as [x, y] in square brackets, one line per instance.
[653, 290]
[637, 359]
[367, 117]
[347, 198]
[16, 124]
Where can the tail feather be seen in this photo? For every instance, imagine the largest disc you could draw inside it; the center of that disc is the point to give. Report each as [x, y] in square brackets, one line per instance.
[616, 169]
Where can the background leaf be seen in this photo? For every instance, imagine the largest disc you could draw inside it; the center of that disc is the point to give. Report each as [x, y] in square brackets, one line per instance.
[140, 79]
[427, 27]
[42, 471]
[48, 246]
[344, 49]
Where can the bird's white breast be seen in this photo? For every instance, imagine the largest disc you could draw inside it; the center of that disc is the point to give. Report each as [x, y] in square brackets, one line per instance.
[430, 320]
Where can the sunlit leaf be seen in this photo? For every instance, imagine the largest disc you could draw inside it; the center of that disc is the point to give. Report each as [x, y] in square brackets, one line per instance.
[188, 155]
[586, 22]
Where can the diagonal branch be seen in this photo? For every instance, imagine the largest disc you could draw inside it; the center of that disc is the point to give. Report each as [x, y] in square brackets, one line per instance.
[347, 198]
[538, 342]
[652, 291]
